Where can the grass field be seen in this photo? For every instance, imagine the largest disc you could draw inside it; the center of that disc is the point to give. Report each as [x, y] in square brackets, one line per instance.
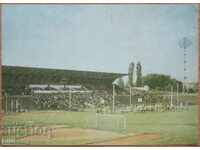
[142, 128]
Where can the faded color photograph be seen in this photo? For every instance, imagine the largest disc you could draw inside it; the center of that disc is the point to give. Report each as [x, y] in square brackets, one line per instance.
[99, 74]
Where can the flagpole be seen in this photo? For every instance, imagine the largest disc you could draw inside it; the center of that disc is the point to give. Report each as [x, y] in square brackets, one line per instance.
[113, 108]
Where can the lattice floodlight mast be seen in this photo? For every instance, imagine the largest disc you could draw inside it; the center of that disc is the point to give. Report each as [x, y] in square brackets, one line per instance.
[184, 43]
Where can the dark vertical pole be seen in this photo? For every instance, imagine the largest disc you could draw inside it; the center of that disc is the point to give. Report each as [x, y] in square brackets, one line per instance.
[0, 58]
[1, 112]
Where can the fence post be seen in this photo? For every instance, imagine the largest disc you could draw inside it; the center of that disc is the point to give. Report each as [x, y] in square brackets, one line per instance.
[6, 107]
[113, 109]
[171, 103]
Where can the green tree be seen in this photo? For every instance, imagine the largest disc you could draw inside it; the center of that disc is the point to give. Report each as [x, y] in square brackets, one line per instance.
[139, 75]
[161, 82]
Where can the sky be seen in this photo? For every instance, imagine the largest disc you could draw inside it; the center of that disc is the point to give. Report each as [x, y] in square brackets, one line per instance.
[104, 38]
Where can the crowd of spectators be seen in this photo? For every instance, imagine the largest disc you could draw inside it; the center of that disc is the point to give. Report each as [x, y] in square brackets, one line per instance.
[76, 101]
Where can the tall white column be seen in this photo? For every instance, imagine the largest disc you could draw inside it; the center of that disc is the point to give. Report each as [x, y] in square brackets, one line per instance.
[70, 98]
[177, 94]
[130, 96]
[171, 103]
[113, 107]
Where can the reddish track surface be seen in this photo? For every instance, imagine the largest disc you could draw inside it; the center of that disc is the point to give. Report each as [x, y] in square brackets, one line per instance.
[94, 137]
[130, 140]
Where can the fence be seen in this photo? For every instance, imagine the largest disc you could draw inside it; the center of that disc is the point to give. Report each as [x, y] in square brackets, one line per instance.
[59, 101]
[19, 103]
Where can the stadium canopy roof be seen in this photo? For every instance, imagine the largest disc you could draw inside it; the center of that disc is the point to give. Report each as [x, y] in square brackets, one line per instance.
[60, 91]
[50, 89]
[54, 87]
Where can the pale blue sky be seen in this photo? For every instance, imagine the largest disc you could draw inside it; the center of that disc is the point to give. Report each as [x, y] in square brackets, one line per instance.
[102, 38]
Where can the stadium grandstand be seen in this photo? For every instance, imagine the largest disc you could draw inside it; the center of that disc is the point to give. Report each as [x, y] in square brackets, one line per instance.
[17, 79]
[42, 89]
[27, 89]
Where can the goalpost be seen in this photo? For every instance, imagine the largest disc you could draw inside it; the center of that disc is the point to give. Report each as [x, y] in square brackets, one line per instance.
[111, 122]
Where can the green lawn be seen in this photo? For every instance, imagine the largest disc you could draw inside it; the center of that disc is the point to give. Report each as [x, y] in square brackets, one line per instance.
[173, 127]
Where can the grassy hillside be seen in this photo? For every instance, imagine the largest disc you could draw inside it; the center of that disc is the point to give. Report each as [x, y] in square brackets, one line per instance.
[15, 79]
